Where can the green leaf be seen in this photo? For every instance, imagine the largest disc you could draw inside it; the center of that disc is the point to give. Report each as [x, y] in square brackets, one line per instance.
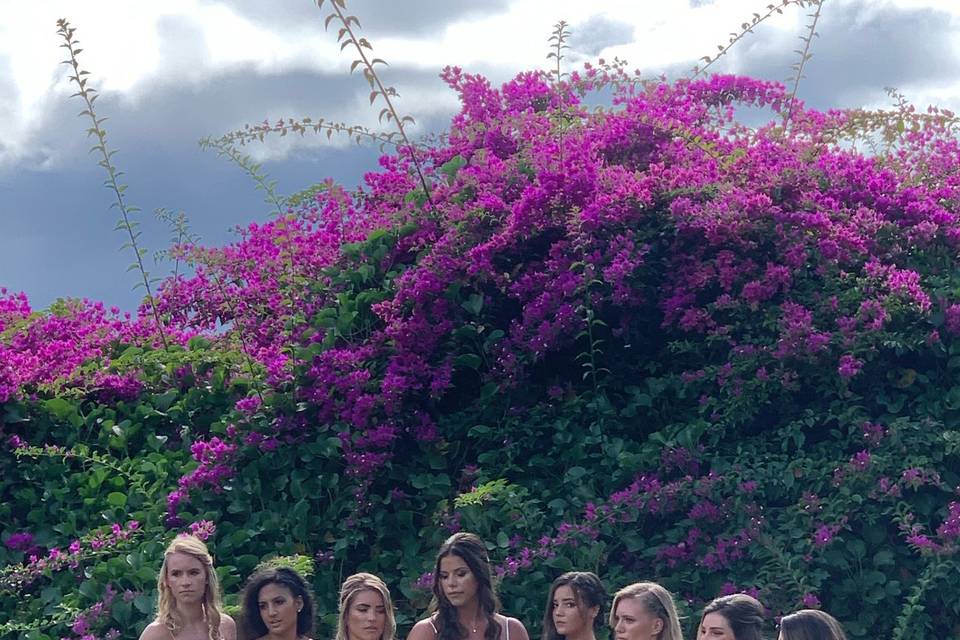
[468, 360]
[144, 603]
[452, 166]
[117, 499]
[473, 304]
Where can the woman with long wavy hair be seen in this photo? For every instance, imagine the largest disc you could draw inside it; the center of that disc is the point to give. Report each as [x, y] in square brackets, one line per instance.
[465, 605]
[277, 605]
[188, 596]
[366, 609]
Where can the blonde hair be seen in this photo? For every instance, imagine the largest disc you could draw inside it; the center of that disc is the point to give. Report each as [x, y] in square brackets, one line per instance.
[657, 601]
[365, 582]
[167, 613]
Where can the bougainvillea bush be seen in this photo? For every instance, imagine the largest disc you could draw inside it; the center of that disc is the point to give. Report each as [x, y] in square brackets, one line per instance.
[642, 339]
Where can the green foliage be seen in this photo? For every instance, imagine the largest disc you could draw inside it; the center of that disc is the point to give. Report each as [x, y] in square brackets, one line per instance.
[301, 564]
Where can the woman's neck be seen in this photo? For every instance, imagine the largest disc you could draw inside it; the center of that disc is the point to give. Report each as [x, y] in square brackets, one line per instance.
[192, 614]
[290, 635]
[585, 634]
[469, 615]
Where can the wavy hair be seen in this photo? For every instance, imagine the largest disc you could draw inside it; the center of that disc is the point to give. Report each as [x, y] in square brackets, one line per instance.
[348, 591]
[588, 591]
[743, 613]
[657, 601]
[471, 549]
[285, 577]
[811, 624]
[167, 613]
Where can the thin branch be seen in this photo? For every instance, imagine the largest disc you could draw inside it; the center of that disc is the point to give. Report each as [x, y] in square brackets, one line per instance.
[89, 96]
[745, 28]
[251, 168]
[347, 37]
[805, 55]
[559, 43]
[357, 133]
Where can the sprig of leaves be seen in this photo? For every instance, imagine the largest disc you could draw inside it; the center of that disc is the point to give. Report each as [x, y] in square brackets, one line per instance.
[745, 28]
[226, 149]
[181, 235]
[357, 133]
[126, 222]
[798, 66]
[347, 36]
[558, 40]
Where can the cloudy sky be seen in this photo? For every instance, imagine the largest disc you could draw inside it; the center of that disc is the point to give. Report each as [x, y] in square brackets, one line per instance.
[170, 73]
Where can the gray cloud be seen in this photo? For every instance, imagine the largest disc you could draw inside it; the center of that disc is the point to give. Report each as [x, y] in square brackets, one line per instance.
[173, 115]
[597, 33]
[859, 52]
[376, 16]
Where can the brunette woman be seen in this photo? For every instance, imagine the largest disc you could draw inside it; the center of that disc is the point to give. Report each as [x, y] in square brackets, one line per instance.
[574, 607]
[644, 611]
[188, 596]
[277, 605]
[810, 624]
[366, 610]
[733, 617]
[465, 604]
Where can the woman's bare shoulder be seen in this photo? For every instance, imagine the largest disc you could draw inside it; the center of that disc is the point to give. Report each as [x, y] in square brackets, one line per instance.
[228, 628]
[156, 631]
[516, 627]
[423, 630]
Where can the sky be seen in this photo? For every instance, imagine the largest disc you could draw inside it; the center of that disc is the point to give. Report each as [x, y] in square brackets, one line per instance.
[170, 73]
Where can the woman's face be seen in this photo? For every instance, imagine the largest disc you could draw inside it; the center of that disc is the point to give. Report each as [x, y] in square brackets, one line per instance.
[279, 609]
[715, 627]
[366, 616]
[186, 578]
[632, 621]
[570, 619]
[457, 581]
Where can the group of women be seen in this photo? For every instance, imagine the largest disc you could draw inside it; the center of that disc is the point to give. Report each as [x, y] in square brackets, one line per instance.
[277, 605]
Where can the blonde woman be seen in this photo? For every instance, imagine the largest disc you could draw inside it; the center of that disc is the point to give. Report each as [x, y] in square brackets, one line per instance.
[644, 611]
[188, 596]
[366, 609]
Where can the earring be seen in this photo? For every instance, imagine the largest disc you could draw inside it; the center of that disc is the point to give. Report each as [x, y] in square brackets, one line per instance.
[299, 609]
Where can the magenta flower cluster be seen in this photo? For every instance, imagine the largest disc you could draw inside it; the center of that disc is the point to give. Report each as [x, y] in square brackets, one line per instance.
[53, 559]
[756, 216]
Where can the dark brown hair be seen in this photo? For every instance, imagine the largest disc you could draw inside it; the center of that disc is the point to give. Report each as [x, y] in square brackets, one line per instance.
[588, 591]
[743, 613]
[810, 624]
[471, 549]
